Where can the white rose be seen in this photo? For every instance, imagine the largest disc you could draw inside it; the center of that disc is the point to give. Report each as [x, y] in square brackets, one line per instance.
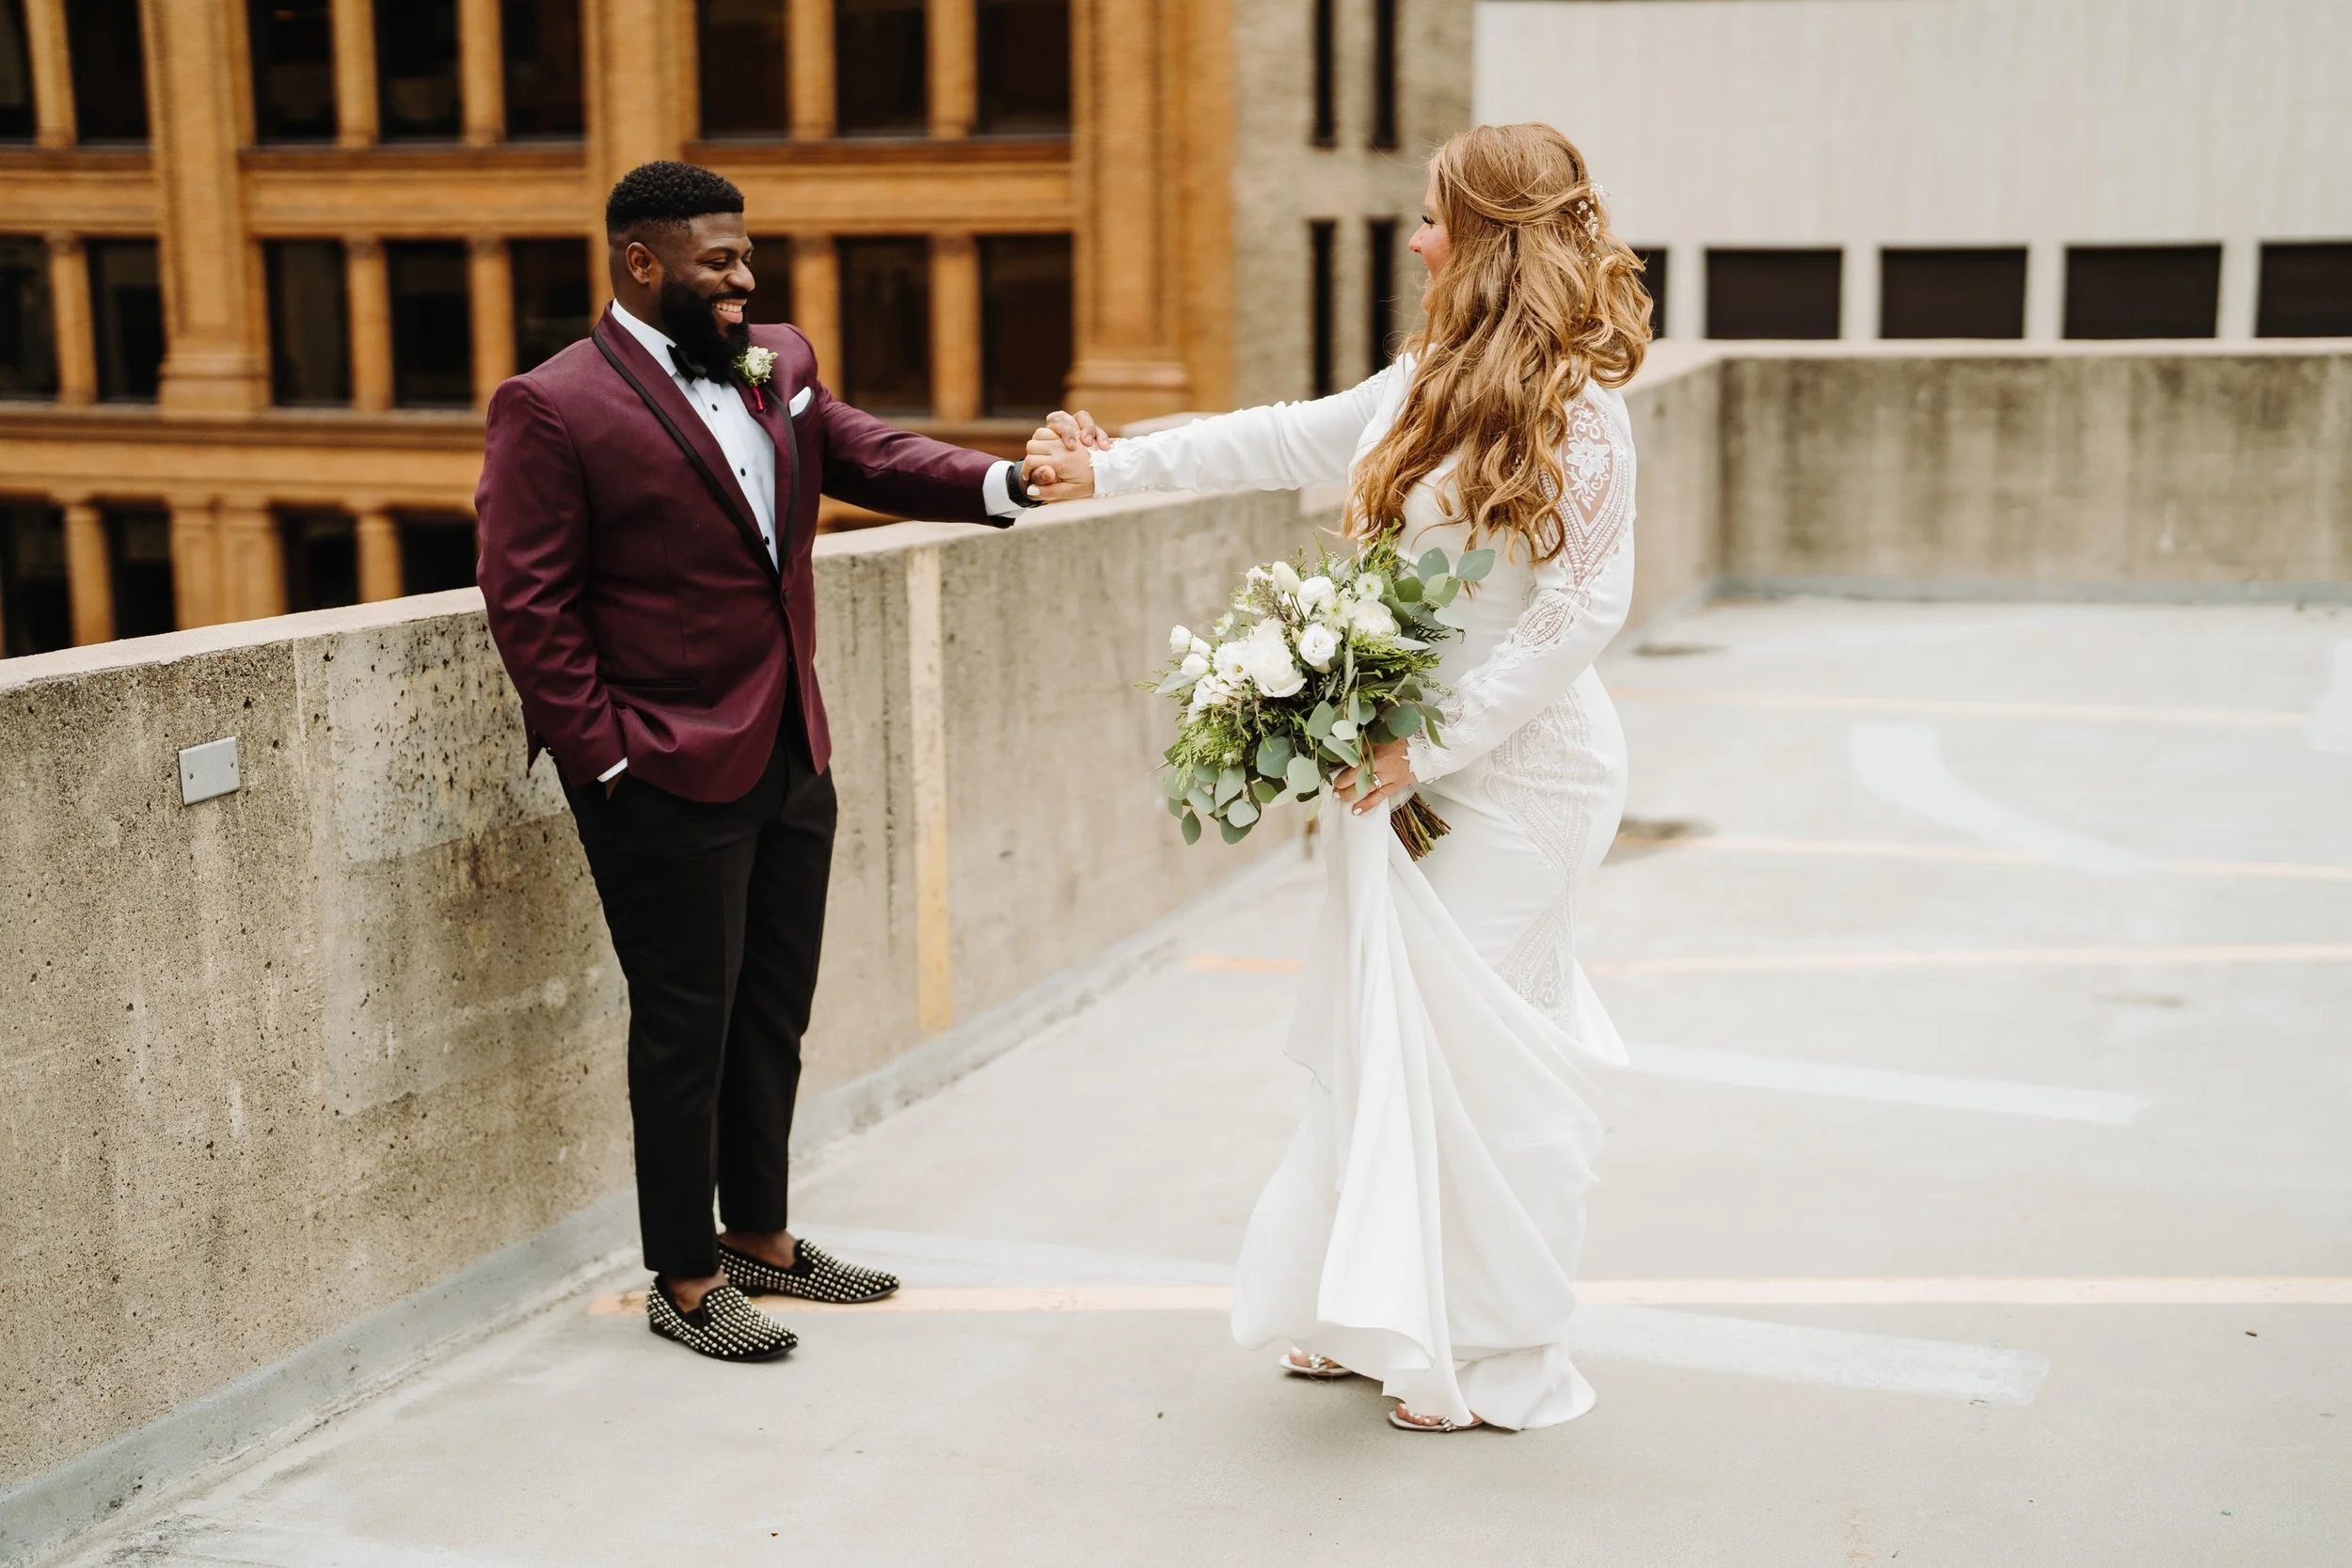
[1316, 595]
[1284, 577]
[1318, 645]
[1207, 693]
[1193, 668]
[1231, 662]
[1201, 647]
[1179, 639]
[1370, 618]
[1267, 658]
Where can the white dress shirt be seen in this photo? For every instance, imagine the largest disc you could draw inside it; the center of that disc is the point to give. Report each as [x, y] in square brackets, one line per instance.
[752, 453]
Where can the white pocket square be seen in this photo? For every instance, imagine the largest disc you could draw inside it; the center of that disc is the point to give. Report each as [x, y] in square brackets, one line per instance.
[800, 401]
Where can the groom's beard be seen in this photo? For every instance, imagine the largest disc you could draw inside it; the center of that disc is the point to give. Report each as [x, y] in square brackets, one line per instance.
[703, 352]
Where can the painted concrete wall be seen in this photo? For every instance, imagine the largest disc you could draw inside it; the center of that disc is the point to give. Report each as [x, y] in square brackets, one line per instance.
[274, 1060]
[1868, 122]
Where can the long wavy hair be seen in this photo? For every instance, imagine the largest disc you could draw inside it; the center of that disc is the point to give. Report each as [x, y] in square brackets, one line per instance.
[1537, 297]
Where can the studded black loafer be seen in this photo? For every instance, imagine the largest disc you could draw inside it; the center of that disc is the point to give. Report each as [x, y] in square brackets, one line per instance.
[813, 1277]
[722, 1325]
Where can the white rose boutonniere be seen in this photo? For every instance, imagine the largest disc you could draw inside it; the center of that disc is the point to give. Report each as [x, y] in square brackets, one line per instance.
[755, 366]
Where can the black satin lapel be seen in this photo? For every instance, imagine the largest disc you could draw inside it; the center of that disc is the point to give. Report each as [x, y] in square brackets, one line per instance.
[650, 382]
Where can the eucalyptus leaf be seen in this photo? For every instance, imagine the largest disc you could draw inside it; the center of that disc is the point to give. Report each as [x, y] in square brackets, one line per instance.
[1474, 565]
[1229, 784]
[1320, 722]
[1344, 750]
[1361, 709]
[1444, 593]
[1274, 755]
[1200, 801]
[1403, 721]
[1431, 565]
[1176, 808]
[1177, 681]
[1304, 777]
[1263, 790]
[1241, 814]
[1232, 834]
[1408, 589]
[1191, 827]
[1178, 781]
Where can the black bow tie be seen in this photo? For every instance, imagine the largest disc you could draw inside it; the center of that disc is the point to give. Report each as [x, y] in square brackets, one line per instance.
[690, 367]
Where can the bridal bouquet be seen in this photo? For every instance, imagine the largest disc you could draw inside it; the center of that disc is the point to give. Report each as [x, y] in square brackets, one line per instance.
[1310, 667]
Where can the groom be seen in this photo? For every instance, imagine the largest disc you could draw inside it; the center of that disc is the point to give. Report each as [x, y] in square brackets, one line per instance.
[648, 501]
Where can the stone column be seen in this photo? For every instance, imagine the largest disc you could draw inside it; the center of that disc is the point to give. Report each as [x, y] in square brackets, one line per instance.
[52, 73]
[2241, 288]
[633, 79]
[2045, 291]
[354, 23]
[951, 43]
[808, 60]
[195, 562]
[70, 312]
[817, 300]
[491, 277]
[955, 328]
[89, 574]
[1858, 295]
[378, 540]
[1127, 283]
[370, 294]
[252, 561]
[481, 70]
[214, 365]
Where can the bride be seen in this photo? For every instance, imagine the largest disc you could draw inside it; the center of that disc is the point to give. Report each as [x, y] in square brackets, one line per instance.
[1425, 1226]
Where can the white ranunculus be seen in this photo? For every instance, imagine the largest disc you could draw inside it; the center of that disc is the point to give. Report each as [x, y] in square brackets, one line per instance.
[1194, 667]
[1266, 657]
[1370, 618]
[1285, 578]
[1318, 645]
[1315, 595]
[1179, 639]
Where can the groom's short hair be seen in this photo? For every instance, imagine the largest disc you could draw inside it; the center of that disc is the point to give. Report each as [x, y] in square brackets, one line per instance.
[668, 193]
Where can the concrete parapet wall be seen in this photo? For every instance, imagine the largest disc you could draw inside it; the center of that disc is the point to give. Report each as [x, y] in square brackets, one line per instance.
[2099, 470]
[274, 1061]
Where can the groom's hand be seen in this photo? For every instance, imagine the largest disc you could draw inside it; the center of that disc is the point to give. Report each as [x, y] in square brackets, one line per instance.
[1060, 464]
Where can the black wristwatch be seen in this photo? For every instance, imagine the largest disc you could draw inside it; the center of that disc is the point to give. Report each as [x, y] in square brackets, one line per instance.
[1018, 486]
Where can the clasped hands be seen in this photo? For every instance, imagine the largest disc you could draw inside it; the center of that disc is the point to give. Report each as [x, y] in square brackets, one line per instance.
[1061, 463]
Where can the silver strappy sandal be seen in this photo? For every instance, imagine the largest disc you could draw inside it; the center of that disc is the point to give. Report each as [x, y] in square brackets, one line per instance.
[1306, 1362]
[1404, 1420]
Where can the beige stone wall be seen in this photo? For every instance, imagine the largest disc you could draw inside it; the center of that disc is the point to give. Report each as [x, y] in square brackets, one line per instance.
[1282, 183]
[273, 1061]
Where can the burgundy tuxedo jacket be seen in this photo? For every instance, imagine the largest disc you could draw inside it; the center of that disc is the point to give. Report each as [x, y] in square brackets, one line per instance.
[639, 616]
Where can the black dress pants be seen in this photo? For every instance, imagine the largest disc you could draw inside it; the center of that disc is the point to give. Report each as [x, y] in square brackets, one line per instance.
[716, 914]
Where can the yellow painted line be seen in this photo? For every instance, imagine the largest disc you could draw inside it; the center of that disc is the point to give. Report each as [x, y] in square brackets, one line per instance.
[1241, 963]
[1966, 854]
[2009, 957]
[1085, 1298]
[2079, 712]
[1965, 1291]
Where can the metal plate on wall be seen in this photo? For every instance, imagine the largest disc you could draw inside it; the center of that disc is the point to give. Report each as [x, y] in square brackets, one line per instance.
[208, 771]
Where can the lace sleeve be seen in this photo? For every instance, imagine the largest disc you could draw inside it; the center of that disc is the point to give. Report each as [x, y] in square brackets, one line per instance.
[1578, 602]
[1281, 446]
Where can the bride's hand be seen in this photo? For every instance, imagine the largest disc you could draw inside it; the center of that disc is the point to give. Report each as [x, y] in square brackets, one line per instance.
[1060, 464]
[1393, 768]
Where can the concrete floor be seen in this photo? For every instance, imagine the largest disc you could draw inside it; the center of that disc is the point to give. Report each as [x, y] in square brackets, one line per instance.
[1983, 1198]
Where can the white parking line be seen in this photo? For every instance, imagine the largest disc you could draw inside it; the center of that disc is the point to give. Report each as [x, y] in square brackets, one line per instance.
[1903, 764]
[1749, 1070]
[1840, 1358]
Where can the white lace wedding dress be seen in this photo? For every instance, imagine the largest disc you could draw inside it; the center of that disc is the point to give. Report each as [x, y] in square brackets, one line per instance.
[1424, 1227]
